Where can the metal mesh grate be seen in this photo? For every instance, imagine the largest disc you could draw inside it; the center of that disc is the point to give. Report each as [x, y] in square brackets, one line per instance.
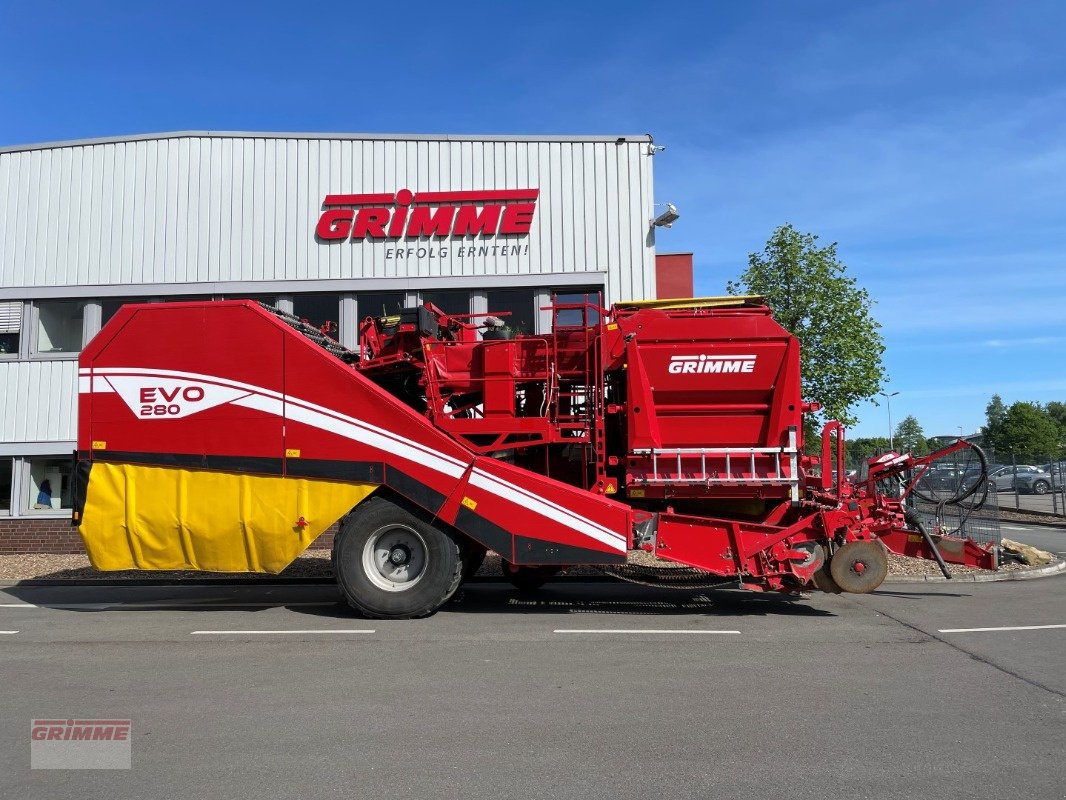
[979, 521]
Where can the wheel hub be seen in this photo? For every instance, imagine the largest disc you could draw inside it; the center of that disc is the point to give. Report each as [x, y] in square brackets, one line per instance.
[395, 558]
[859, 567]
[400, 555]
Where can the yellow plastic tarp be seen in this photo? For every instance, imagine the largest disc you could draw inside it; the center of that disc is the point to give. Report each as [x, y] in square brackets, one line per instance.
[139, 517]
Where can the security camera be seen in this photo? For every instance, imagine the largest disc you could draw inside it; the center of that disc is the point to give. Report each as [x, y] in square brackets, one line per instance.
[667, 218]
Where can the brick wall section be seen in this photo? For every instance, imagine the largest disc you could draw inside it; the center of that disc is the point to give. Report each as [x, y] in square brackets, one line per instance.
[27, 535]
[325, 541]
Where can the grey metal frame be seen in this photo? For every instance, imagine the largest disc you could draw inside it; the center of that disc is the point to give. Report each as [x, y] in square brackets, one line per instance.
[288, 287]
[420, 137]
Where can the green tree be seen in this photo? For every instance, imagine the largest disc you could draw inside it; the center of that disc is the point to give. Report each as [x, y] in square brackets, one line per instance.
[814, 298]
[1027, 430]
[859, 450]
[995, 415]
[1057, 412]
[910, 438]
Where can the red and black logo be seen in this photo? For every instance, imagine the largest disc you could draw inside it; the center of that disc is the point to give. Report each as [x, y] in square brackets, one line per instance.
[483, 212]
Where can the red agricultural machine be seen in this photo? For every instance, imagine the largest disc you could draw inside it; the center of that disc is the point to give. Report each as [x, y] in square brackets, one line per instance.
[228, 436]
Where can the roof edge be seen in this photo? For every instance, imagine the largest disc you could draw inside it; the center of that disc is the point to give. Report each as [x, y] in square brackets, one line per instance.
[426, 137]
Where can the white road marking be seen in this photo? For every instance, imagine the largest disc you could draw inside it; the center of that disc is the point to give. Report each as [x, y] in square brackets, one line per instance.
[161, 605]
[8, 632]
[1007, 628]
[632, 630]
[319, 630]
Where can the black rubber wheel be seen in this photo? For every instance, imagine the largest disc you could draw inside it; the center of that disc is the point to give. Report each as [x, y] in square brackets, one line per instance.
[859, 567]
[1041, 487]
[527, 579]
[823, 580]
[392, 563]
[473, 555]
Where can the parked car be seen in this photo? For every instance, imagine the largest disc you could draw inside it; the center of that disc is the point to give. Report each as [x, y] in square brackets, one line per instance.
[1025, 479]
[1057, 470]
[941, 478]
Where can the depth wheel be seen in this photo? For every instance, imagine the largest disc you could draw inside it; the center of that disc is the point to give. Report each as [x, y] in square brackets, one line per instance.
[393, 564]
[527, 579]
[859, 567]
[820, 577]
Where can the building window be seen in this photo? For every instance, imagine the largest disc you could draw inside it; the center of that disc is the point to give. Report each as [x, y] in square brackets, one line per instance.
[450, 301]
[6, 471]
[60, 325]
[10, 327]
[571, 317]
[50, 486]
[110, 306]
[520, 302]
[381, 304]
[318, 309]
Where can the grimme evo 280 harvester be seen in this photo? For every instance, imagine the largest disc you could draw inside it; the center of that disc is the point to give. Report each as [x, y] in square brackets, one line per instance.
[228, 435]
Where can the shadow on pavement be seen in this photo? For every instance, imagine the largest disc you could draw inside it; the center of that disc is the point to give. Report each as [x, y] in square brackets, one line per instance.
[565, 597]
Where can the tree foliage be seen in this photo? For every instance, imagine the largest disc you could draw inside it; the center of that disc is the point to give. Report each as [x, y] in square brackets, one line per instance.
[814, 298]
[860, 449]
[910, 438]
[1023, 428]
[995, 415]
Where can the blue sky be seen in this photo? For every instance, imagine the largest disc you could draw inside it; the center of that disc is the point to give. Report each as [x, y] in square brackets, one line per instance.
[928, 139]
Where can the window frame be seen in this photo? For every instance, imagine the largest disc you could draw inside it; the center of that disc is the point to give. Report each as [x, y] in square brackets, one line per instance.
[20, 351]
[20, 487]
[9, 512]
[32, 352]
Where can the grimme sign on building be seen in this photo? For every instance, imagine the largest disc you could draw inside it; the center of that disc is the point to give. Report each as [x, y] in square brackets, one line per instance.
[485, 214]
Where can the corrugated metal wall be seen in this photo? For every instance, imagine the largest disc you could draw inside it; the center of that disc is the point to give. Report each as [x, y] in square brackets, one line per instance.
[38, 401]
[233, 208]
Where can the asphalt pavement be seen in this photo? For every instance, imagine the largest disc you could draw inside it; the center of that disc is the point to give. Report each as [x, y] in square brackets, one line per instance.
[582, 690]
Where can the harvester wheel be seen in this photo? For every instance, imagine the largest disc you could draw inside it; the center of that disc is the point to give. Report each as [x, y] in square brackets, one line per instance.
[859, 567]
[824, 580]
[820, 577]
[527, 579]
[391, 563]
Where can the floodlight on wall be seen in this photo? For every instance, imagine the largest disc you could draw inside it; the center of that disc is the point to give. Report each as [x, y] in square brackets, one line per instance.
[668, 217]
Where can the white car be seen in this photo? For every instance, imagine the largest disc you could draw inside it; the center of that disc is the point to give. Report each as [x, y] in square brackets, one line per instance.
[1026, 478]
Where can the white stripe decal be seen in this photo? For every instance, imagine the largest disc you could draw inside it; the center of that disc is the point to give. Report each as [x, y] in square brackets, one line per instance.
[393, 440]
[299, 410]
[546, 508]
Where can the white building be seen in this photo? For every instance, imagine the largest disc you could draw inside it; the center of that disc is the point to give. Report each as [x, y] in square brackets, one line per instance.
[318, 224]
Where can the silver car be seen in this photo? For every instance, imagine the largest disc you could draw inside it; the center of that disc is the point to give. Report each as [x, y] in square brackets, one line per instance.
[1024, 478]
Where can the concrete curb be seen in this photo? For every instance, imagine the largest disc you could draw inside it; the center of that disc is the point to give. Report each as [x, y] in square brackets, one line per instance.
[1013, 575]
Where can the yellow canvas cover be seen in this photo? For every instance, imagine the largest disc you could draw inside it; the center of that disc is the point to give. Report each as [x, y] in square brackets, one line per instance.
[154, 518]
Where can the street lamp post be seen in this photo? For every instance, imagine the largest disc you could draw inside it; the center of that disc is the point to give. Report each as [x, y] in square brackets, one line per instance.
[891, 434]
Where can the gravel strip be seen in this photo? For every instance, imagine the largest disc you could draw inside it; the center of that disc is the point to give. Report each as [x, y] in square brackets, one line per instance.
[316, 564]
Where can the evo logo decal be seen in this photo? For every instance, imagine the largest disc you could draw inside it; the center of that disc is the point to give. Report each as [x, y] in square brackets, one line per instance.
[150, 398]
